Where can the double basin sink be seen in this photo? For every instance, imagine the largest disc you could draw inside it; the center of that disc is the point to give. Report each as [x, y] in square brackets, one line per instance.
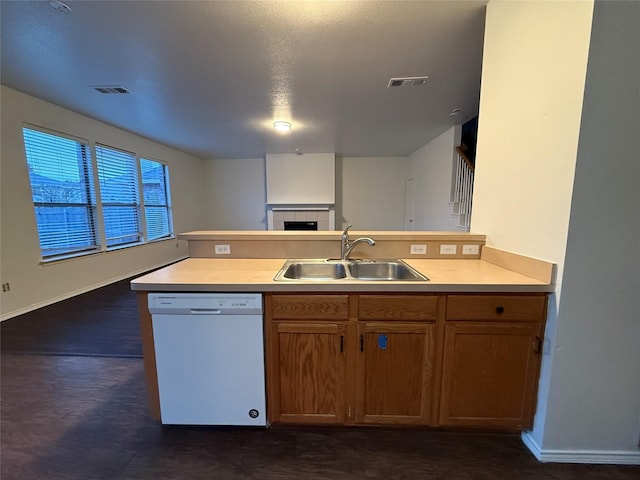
[368, 269]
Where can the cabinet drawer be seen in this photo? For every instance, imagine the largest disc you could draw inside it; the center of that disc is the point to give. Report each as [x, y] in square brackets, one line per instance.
[398, 307]
[310, 307]
[523, 308]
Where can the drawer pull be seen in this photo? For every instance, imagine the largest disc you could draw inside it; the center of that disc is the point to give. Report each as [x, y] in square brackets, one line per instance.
[362, 343]
[341, 343]
[500, 309]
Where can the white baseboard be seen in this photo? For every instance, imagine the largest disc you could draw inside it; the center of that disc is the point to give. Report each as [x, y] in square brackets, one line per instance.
[50, 301]
[580, 456]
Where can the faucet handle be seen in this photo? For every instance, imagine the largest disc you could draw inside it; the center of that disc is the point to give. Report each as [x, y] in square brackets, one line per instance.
[344, 243]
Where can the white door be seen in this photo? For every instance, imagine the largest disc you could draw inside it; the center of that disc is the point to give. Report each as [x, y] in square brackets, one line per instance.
[409, 204]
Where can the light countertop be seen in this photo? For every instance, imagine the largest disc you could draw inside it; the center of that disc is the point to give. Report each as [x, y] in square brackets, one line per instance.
[256, 275]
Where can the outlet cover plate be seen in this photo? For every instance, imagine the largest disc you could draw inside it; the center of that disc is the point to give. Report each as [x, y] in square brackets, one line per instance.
[470, 249]
[448, 249]
[223, 249]
[418, 249]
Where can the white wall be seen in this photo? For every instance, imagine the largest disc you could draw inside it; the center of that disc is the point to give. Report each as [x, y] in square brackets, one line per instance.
[534, 65]
[235, 194]
[301, 178]
[530, 152]
[33, 284]
[594, 397]
[432, 167]
[371, 192]
[529, 119]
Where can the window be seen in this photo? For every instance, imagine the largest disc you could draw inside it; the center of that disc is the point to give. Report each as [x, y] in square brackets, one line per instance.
[117, 173]
[73, 214]
[155, 189]
[63, 193]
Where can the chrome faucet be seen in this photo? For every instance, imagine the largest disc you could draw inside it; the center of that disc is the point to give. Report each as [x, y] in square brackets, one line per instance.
[346, 247]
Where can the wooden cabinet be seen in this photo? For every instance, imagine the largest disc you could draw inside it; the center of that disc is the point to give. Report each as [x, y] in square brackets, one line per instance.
[394, 376]
[309, 307]
[306, 358]
[491, 360]
[517, 308]
[398, 307]
[309, 378]
[351, 358]
[396, 358]
[424, 359]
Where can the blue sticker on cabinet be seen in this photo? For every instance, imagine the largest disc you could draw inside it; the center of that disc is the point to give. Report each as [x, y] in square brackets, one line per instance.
[382, 341]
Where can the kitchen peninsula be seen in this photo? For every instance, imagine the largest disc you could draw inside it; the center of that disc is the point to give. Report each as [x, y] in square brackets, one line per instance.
[460, 349]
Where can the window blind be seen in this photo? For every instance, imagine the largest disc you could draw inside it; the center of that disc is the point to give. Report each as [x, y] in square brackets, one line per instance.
[70, 209]
[155, 188]
[117, 174]
[63, 193]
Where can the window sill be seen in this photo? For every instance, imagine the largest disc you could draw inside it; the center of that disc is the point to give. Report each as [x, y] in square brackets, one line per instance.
[69, 256]
[78, 255]
[137, 244]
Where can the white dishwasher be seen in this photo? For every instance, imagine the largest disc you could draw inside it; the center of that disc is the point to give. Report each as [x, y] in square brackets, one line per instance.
[209, 351]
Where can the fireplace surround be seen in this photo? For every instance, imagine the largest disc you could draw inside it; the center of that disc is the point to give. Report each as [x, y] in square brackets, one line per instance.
[323, 216]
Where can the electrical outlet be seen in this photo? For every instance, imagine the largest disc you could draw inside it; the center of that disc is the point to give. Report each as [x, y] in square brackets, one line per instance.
[6, 287]
[223, 249]
[470, 249]
[418, 249]
[448, 249]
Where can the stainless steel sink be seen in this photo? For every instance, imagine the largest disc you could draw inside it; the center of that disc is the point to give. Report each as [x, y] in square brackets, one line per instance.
[308, 270]
[384, 270]
[327, 270]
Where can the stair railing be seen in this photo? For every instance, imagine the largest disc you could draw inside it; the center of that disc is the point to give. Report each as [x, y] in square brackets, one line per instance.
[462, 191]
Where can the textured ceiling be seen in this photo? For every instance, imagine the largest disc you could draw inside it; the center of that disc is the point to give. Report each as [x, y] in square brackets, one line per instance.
[210, 77]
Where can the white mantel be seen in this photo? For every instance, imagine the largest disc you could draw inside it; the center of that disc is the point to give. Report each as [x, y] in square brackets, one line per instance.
[301, 188]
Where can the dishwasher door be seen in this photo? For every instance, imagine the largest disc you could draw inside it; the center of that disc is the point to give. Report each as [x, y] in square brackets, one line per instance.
[210, 358]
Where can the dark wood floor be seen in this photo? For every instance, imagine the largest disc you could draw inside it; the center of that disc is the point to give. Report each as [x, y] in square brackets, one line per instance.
[83, 417]
[101, 322]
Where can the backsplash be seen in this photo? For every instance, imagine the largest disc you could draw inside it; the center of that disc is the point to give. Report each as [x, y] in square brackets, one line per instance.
[326, 244]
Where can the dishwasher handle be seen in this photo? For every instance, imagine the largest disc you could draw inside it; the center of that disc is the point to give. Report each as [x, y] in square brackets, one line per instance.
[205, 311]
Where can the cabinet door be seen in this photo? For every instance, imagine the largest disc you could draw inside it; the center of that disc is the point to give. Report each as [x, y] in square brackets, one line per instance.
[490, 373]
[308, 375]
[394, 372]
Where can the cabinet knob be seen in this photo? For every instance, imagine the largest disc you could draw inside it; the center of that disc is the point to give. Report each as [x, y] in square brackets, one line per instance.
[500, 309]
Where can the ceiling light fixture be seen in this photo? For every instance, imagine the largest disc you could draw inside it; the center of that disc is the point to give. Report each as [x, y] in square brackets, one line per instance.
[282, 126]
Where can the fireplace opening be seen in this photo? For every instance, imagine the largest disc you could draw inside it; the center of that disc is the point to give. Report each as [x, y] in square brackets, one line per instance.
[298, 225]
[300, 217]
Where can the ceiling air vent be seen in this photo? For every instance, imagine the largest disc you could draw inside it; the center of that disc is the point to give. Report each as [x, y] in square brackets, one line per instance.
[111, 89]
[408, 81]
